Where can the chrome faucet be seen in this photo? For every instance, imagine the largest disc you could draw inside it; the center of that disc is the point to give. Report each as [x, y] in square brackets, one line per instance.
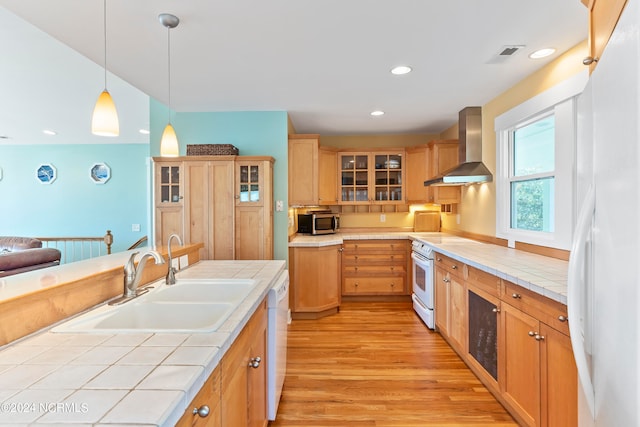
[171, 273]
[132, 275]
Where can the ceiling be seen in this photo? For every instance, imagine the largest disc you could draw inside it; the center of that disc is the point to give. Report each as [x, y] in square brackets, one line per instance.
[327, 63]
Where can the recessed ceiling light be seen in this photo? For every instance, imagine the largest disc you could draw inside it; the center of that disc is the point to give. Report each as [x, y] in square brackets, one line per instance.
[49, 132]
[401, 69]
[542, 53]
[377, 113]
[144, 131]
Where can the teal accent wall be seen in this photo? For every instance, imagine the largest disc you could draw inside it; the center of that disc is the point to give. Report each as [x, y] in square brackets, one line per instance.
[74, 205]
[255, 133]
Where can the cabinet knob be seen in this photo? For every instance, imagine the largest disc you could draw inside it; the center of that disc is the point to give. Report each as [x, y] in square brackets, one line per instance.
[562, 318]
[236, 197]
[496, 310]
[439, 259]
[445, 280]
[454, 267]
[341, 250]
[202, 411]
[516, 296]
[589, 60]
[255, 362]
[392, 285]
[532, 334]
[539, 337]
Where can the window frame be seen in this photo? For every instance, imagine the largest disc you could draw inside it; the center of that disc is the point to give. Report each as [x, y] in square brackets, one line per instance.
[561, 101]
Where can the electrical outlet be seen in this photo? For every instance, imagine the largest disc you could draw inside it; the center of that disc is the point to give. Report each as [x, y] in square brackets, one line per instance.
[511, 243]
[279, 206]
[135, 227]
[383, 217]
[290, 221]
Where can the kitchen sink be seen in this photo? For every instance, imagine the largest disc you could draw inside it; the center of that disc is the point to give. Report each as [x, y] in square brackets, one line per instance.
[189, 306]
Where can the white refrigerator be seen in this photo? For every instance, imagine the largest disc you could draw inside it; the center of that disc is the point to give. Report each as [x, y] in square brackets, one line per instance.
[604, 268]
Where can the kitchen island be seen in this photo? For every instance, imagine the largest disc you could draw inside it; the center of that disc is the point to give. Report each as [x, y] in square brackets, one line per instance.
[122, 379]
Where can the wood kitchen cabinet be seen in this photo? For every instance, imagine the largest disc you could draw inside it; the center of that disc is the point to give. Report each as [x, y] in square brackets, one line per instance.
[538, 372]
[254, 208]
[375, 267]
[207, 397]
[315, 280]
[312, 172]
[224, 202]
[451, 301]
[327, 176]
[603, 17]
[208, 207]
[244, 375]
[303, 169]
[371, 177]
[428, 161]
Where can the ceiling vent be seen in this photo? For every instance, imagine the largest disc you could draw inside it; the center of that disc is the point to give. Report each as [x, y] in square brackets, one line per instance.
[505, 53]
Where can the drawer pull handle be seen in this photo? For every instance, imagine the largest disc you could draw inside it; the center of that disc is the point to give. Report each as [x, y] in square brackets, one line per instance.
[255, 362]
[496, 310]
[562, 318]
[516, 296]
[202, 411]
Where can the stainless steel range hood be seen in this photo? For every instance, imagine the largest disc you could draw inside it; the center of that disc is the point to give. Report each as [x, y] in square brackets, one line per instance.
[471, 170]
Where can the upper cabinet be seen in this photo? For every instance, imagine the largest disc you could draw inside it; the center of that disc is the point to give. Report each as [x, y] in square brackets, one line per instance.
[603, 17]
[428, 161]
[371, 177]
[303, 169]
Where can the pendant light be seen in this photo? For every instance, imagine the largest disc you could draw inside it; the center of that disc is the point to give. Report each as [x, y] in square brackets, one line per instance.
[104, 121]
[169, 141]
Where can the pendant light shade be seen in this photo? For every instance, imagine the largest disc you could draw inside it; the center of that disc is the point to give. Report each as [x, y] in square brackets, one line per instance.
[169, 142]
[169, 146]
[104, 121]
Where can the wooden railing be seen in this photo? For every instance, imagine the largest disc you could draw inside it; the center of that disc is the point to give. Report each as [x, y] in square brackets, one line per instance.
[79, 248]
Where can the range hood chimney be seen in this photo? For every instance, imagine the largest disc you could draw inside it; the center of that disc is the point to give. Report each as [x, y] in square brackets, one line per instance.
[470, 169]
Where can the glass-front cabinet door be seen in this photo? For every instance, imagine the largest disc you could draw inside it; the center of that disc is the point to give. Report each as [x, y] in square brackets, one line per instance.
[388, 177]
[371, 178]
[249, 183]
[354, 178]
[169, 183]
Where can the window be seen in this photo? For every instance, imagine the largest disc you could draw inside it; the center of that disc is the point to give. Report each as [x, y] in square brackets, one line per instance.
[535, 146]
[532, 167]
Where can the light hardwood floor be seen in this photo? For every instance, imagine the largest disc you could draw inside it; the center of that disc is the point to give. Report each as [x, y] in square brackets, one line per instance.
[376, 364]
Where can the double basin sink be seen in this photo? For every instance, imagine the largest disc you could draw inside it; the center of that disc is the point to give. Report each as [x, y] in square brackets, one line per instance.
[189, 306]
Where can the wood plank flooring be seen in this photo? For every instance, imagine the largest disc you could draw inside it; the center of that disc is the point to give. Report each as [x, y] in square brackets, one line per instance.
[376, 364]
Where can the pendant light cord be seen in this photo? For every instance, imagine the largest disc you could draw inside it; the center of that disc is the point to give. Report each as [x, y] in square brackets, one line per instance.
[169, 68]
[104, 28]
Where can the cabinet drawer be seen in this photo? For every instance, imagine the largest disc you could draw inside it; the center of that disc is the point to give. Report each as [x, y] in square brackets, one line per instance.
[396, 259]
[451, 265]
[373, 285]
[373, 269]
[546, 310]
[383, 246]
[485, 281]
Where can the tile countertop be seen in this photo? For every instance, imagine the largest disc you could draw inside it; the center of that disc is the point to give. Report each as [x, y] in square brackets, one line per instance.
[544, 275]
[104, 379]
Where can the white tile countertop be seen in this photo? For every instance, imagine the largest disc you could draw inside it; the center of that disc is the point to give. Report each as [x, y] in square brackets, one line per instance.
[543, 275]
[102, 379]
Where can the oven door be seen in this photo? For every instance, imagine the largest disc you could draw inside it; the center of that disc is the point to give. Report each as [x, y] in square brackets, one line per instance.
[423, 279]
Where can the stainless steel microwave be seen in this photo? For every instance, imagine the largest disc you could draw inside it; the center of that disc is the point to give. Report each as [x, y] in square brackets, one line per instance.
[318, 223]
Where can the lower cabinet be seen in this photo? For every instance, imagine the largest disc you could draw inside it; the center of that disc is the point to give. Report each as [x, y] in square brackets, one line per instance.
[516, 341]
[205, 407]
[235, 394]
[315, 280]
[451, 302]
[244, 375]
[375, 267]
